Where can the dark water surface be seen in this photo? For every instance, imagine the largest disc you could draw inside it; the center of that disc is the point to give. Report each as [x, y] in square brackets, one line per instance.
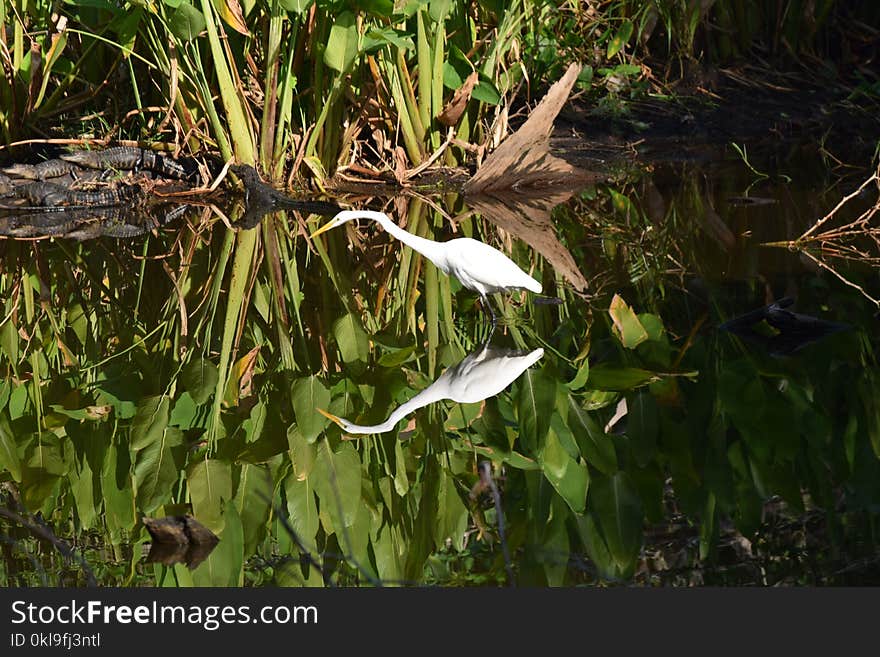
[632, 441]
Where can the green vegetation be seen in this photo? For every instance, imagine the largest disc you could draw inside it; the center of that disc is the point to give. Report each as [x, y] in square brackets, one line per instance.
[324, 83]
[182, 373]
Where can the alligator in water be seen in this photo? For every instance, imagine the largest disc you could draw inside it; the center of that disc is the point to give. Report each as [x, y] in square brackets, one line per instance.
[54, 168]
[47, 194]
[80, 223]
[72, 195]
[127, 158]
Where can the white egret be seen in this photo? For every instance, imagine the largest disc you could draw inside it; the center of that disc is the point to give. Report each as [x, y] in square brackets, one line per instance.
[478, 266]
[482, 374]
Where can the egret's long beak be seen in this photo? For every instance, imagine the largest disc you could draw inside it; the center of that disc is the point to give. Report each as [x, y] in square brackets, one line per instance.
[329, 416]
[323, 229]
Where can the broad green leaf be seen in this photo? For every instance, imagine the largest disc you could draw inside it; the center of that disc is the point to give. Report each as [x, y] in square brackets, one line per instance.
[605, 376]
[117, 493]
[82, 488]
[9, 460]
[421, 542]
[627, 327]
[595, 545]
[438, 9]
[382, 8]
[621, 37]
[18, 401]
[302, 452]
[351, 339]
[199, 379]
[76, 319]
[342, 44]
[618, 507]
[536, 396]
[398, 357]
[296, 6]
[223, 567]
[253, 496]
[461, 416]
[302, 509]
[184, 413]
[155, 472]
[308, 395]
[580, 378]
[567, 476]
[452, 514]
[378, 37]
[556, 546]
[336, 478]
[595, 445]
[401, 481]
[149, 422]
[253, 426]
[642, 426]
[653, 325]
[186, 22]
[126, 26]
[486, 92]
[9, 342]
[209, 482]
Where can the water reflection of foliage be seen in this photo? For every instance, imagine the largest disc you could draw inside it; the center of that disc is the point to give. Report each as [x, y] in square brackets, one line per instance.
[116, 406]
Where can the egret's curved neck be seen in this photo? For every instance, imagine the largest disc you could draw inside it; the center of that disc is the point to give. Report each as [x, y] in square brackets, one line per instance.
[436, 252]
[430, 394]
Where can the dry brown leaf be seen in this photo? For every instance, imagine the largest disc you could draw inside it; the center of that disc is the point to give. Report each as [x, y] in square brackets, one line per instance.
[455, 107]
[524, 158]
[527, 216]
[230, 11]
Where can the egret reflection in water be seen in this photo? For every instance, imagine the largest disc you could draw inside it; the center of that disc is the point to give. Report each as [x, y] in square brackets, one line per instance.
[482, 374]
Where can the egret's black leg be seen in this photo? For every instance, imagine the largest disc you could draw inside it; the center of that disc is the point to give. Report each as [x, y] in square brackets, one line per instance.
[487, 309]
